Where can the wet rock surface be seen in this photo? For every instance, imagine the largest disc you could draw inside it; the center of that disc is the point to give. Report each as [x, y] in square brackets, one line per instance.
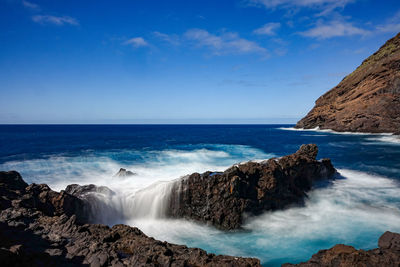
[40, 227]
[387, 254]
[124, 173]
[367, 100]
[224, 199]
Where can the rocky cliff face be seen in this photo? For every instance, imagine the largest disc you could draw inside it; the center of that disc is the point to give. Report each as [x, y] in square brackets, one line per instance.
[40, 227]
[224, 199]
[367, 100]
[387, 254]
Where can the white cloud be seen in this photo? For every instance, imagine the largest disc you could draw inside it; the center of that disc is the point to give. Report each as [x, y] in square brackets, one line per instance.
[172, 39]
[137, 42]
[334, 28]
[268, 29]
[326, 6]
[392, 25]
[30, 5]
[389, 28]
[48, 19]
[301, 3]
[225, 43]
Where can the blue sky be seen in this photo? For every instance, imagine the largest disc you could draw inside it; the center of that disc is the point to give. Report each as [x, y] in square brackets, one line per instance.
[145, 61]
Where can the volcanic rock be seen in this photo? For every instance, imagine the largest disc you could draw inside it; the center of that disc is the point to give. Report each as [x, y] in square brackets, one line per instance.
[224, 199]
[367, 100]
[40, 227]
[387, 254]
[124, 173]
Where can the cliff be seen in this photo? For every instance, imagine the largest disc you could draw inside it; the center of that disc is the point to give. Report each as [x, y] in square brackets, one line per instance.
[367, 100]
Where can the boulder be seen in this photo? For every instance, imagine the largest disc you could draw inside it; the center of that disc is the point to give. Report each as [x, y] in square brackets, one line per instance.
[223, 199]
[387, 254]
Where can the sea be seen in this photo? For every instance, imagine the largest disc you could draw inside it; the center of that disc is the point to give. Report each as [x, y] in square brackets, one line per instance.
[355, 209]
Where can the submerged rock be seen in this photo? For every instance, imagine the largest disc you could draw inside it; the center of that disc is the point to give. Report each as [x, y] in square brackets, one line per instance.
[224, 199]
[124, 173]
[41, 227]
[387, 254]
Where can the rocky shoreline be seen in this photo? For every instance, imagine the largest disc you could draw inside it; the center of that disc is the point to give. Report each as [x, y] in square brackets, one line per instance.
[387, 254]
[367, 100]
[225, 199]
[41, 227]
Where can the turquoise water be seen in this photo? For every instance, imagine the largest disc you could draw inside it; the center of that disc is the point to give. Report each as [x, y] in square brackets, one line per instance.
[355, 209]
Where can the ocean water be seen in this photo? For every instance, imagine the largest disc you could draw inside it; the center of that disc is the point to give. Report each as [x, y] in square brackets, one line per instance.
[355, 209]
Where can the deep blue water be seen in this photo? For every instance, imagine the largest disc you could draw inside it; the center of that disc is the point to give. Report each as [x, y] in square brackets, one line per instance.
[62, 154]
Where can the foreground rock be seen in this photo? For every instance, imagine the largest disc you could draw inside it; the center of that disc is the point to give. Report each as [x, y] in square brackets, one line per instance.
[40, 227]
[367, 100]
[224, 199]
[387, 254]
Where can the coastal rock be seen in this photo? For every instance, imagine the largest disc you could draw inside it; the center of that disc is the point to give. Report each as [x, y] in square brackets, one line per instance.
[124, 173]
[38, 227]
[387, 254]
[224, 199]
[97, 201]
[367, 100]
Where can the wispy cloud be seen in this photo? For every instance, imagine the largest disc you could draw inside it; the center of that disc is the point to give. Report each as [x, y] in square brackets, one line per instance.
[225, 43]
[136, 42]
[268, 29]
[392, 25]
[30, 5]
[56, 20]
[172, 39]
[335, 28]
[324, 7]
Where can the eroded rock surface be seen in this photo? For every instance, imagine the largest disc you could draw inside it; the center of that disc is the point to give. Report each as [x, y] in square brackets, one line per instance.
[40, 227]
[387, 254]
[224, 199]
[367, 100]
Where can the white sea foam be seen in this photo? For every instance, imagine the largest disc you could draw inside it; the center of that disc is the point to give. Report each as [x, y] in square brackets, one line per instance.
[353, 210]
[394, 139]
[389, 138]
[318, 129]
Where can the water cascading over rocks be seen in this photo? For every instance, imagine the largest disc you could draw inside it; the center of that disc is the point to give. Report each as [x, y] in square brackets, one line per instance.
[223, 199]
[41, 227]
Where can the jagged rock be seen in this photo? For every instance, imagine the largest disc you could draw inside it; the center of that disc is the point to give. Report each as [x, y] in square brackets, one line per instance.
[367, 100]
[387, 254]
[38, 229]
[97, 202]
[223, 199]
[124, 173]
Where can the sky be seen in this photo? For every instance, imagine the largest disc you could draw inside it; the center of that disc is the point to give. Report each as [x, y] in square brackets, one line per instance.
[198, 61]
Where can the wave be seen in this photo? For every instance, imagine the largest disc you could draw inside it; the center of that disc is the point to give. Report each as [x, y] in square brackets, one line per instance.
[354, 210]
[385, 139]
[379, 137]
[150, 166]
[318, 129]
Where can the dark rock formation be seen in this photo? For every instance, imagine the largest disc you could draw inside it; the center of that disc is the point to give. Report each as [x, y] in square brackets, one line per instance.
[124, 173]
[387, 254]
[367, 100]
[40, 227]
[97, 202]
[223, 199]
